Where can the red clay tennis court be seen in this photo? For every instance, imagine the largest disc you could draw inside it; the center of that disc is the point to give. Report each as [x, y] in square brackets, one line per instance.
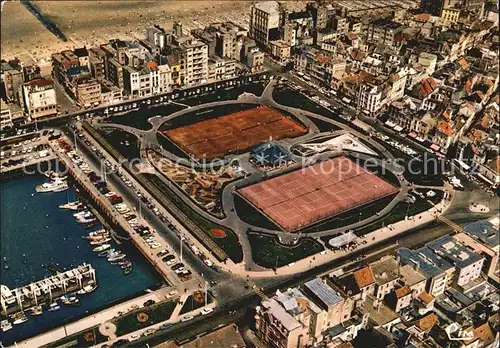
[306, 196]
[235, 132]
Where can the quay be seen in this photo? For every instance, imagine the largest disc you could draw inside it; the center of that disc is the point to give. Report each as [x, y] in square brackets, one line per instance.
[114, 219]
[47, 289]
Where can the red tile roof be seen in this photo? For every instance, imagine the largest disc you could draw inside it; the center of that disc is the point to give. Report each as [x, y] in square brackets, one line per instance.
[426, 87]
[364, 277]
[445, 128]
[402, 292]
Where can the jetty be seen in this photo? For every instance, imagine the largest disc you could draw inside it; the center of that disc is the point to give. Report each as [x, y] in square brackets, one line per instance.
[46, 290]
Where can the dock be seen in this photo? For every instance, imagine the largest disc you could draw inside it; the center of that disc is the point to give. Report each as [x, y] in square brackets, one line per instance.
[46, 290]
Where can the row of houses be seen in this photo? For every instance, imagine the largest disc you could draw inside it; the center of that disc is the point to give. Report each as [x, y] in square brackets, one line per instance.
[406, 298]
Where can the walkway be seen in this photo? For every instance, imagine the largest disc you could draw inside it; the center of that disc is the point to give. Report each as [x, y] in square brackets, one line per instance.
[148, 140]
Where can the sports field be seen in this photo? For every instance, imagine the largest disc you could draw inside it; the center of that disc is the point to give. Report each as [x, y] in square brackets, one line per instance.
[306, 196]
[233, 133]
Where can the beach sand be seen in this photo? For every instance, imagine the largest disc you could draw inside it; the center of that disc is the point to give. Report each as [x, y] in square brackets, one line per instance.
[94, 22]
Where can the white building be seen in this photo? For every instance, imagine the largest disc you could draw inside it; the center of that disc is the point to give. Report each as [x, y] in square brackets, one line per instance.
[264, 19]
[39, 98]
[5, 115]
[194, 62]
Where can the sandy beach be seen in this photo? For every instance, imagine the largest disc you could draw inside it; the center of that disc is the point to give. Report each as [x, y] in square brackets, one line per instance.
[95, 22]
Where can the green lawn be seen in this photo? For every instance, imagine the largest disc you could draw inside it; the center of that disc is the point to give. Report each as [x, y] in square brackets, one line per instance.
[252, 216]
[156, 313]
[267, 252]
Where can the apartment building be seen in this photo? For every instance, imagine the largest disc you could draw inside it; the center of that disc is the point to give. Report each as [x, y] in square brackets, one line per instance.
[150, 79]
[12, 79]
[255, 59]
[5, 115]
[468, 265]
[386, 274]
[482, 237]
[320, 65]
[280, 50]
[87, 92]
[221, 69]
[265, 22]
[114, 72]
[383, 31]
[97, 63]
[194, 62]
[338, 309]
[278, 328]
[39, 98]
[437, 271]
[63, 61]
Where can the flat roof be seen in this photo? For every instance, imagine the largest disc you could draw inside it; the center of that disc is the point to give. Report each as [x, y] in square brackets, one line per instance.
[278, 312]
[385, 270]
[453, 251]
[485, 231]
[323, 292]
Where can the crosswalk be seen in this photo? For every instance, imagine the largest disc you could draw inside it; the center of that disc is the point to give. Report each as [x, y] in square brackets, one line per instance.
[450, 223]
[256, 289]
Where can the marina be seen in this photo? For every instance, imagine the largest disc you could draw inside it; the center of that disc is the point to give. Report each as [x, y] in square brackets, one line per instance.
[47, 289]
[39, 238]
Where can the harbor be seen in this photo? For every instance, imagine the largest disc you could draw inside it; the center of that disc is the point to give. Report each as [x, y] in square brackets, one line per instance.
[46, 290]
[40, 238]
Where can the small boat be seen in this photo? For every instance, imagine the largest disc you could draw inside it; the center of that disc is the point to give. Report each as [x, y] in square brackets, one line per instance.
[101, 248]
[5, 325]
[56, 186]
[126, 265]
[127, 271]
[19, 318]
[101, 232]
[100, 242]
[116, 258]
[96, 237]
[36, 310]
[104, 253]
[87, 289]
[70, 301]
[71, 205]
[82, 213]
[54, 307]
[85, 220]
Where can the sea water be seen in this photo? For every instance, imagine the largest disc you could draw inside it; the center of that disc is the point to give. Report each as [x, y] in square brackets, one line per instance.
[36, 233]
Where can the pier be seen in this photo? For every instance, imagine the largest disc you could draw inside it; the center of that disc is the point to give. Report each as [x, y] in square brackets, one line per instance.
[47, 289]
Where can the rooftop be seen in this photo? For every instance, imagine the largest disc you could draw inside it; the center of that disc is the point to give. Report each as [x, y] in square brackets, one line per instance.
[385, 270]
[364, 277]
[277, 311]
[268, 6]
[410, 275]
[424, 260]
[484, 231]
[323, 292]
[447, 247]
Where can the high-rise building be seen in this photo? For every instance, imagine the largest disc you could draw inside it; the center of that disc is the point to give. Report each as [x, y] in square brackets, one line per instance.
[264, 21]
[39, 98]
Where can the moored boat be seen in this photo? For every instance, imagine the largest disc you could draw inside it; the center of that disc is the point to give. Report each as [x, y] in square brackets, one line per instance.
[127, 271]
[87, 289]
[100, 241]
[116, 257]
[19, 318]
[54, 307]
[5, 325]
[70, 301]
[71, 205]
[85, 220]
[56, 186]
[36, 310]
[102, 247]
